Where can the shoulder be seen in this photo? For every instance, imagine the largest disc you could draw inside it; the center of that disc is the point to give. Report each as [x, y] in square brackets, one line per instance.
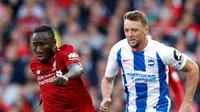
[67, 50]
[163, 51]
[158, 47]
[121, 44]
[66, 47]
[156, 43]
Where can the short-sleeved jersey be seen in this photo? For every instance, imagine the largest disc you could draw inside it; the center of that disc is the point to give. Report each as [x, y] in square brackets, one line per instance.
[144, 74]
[73, 97]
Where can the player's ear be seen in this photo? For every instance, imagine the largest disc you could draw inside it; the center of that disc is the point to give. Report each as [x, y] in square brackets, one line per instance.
[54, 43]
[146, 30]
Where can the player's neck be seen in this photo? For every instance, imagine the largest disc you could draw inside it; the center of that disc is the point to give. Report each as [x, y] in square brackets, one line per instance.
[49, 59]
[141, 47]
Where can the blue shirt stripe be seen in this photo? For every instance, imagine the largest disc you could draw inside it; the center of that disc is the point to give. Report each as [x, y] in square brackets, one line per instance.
[119, 60]
[139, 62]
[162, 105]
[141, 92]
[141, 88]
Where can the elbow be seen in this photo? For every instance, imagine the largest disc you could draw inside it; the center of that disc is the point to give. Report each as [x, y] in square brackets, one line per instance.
[78, 70]
[81, 71]
[108, 79]
[195, 68]
[77, 74]
[191, 68]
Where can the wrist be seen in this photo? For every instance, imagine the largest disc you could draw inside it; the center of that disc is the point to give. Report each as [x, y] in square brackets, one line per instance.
[188, 101]
[106, 98]
[66, 77]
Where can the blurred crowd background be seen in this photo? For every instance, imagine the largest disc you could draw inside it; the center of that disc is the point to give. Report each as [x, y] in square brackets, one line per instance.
[92, 27]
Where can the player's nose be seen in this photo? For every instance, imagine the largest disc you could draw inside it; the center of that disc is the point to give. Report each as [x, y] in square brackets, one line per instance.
[130, 34]
[38, 49]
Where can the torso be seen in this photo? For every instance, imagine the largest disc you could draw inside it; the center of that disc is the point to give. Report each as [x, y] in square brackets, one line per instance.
[54, 96]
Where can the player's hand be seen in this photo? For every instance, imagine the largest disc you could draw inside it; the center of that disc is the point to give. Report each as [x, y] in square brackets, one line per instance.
[186, 107]
[104, 104]
[60, 79]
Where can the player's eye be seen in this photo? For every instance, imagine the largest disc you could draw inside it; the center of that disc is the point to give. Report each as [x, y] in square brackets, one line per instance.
[134, 30]
[42, 44]
[34, 44]
[126, 30]
[45, 45]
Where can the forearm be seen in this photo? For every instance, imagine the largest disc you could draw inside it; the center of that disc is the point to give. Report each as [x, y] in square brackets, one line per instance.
[178, 93]
[191, 83]
[74, 70]
[107, 87]
[192, 71]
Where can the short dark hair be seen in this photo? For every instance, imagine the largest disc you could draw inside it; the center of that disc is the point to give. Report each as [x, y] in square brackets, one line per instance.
[137, 15]
[45, 28]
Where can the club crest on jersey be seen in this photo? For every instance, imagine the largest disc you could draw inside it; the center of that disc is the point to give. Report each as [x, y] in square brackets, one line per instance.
[72, 56]
[151, 62]
[38, 72]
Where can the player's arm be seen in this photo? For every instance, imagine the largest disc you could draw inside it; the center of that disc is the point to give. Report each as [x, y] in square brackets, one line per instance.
[72, 62]
[182, 62]
[74, 71]
[107, 84]
[192, 71]
[106, 88]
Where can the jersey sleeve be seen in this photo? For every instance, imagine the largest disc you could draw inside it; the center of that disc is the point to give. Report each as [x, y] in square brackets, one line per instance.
[31, 67]
[171, 56]
[112, 67]
[70, 55]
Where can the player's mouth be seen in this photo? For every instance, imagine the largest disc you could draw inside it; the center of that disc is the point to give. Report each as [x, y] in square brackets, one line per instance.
[132, 41]
[40, 57]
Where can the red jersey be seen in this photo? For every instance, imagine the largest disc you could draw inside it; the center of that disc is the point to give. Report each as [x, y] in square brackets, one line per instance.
[73, 97]
[176, 87]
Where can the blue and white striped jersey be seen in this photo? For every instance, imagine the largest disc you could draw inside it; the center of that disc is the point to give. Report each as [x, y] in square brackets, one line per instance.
[145, 74]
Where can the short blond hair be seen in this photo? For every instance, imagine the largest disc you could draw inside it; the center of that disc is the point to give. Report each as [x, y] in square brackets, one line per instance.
[137, 15]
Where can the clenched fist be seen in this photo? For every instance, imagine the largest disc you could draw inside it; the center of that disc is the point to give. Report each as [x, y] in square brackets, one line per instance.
[104, 104]
[60, 78]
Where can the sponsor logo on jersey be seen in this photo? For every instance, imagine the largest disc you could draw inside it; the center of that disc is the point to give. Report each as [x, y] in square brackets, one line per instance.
[73, 56]
[143, 76]
[125, 60]
[47, 78]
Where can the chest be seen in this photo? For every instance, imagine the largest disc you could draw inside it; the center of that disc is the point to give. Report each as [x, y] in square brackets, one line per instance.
[50, 68]
[144, 61]
[46, 73]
